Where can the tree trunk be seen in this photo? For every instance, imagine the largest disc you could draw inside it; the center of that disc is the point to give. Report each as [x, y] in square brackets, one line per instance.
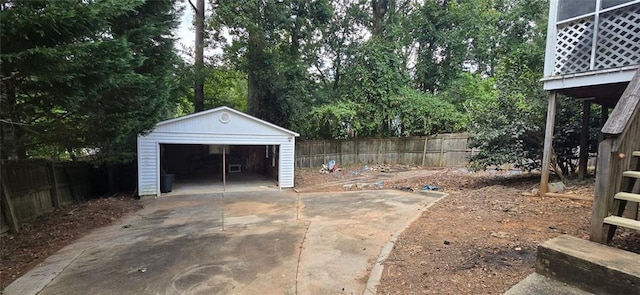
[256, 91]
[198, 89]
[8, 131]
[380, 8]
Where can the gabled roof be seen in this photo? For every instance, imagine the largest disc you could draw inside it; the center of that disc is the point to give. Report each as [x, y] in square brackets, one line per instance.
[211, 112]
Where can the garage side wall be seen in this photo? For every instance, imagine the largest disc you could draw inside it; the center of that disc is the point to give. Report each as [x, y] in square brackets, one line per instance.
[287, 162]
[147, 166]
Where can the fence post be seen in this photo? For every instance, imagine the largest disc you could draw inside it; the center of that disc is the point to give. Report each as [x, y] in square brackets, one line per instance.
[355, 147]
[424, 150]
[309, 146]
[7, 206]
[441, 151]
[72, 184]
[324, 151]
[54, 187]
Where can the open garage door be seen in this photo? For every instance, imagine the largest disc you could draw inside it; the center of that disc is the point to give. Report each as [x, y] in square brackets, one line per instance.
[198, 168]
[213, 148]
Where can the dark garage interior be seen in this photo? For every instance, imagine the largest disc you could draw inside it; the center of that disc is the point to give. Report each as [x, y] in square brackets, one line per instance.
[201, 163]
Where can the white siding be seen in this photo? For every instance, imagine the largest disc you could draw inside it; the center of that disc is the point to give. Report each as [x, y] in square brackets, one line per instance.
[286, 166]
[147, 166]
[208, 128]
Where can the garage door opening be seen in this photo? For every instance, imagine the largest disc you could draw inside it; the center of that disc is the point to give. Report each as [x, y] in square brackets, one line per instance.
[201, 168]
[190, 148]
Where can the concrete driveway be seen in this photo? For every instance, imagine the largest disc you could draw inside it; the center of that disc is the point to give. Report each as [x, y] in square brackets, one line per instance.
[266, 242]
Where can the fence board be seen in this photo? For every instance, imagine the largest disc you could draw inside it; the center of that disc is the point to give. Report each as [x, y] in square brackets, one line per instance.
[32, 188]
[443, 150]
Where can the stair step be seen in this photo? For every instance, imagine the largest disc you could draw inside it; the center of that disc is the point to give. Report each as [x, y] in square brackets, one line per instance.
[636, 153]
[623, 222]
[634, 174]
[627, 197]
[590, 266]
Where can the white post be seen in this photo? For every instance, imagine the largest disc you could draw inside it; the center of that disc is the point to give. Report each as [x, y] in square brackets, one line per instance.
[548, 143]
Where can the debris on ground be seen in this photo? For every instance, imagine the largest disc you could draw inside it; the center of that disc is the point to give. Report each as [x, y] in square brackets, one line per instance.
[427, 187]
[478, 204]
[556, 187]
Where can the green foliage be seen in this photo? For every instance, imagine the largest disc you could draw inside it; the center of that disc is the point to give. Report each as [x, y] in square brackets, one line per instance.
[271, 44]
[85, 77]
[330, 121]
[509, 127]
[425, 114]
[372, 80]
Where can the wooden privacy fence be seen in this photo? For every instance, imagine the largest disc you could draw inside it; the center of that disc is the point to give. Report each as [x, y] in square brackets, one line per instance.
[31, 188]
[442, 150]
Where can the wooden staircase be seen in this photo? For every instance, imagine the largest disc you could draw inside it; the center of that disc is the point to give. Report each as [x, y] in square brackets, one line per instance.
[621, 201]
[617, 191]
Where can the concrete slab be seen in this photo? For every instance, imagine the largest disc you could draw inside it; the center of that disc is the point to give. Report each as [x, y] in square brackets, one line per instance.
[346, 235]
[536, 284]
[236, 182]
[270, 242]
[589, 266]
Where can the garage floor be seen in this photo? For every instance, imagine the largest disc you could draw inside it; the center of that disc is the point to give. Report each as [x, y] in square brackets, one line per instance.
[261, 242]
[236, 182]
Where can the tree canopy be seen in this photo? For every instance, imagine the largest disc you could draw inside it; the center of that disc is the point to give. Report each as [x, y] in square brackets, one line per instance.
[84, 77]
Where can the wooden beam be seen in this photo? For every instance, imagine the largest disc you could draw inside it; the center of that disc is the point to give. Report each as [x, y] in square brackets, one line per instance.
[548, 142]
[568, 196]
[424, 150]
[625, 108]
[7, 206]
[584, 140]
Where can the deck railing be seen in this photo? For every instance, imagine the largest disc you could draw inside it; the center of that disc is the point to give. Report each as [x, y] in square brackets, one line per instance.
[606, 38]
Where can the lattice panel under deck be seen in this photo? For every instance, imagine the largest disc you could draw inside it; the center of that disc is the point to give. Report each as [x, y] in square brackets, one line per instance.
[619, 38]
[573, 47]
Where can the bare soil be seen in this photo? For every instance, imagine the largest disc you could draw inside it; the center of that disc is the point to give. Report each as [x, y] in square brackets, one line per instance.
[51, 232]
[481, 239]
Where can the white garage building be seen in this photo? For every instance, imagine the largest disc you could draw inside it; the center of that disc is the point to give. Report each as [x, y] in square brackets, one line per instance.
[213, 143]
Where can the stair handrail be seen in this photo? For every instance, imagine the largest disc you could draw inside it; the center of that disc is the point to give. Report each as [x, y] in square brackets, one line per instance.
[621, 137]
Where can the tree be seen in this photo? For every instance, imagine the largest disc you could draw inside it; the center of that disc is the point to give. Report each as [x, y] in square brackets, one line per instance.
[375, 78]
[85, 76]
[198, 87]
[270, 44]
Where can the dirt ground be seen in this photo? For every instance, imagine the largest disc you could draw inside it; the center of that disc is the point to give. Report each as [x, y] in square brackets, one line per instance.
[481, 239]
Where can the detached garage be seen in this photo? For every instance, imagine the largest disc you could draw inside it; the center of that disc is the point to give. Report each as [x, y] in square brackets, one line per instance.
[207, 146]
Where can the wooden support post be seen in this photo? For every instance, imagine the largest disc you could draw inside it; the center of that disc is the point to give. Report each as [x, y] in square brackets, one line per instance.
[55, 194]
[584, 140]
[224, 169]
[604, 116]
[604, 190]
[548, 143]
[7, 206]
[424, 151]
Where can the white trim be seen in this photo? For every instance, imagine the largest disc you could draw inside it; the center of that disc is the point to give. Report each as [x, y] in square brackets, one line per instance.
[552, 34]
[595, 39]
[225, 108]
[589, 79]
[149, 144]
[158, 169]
